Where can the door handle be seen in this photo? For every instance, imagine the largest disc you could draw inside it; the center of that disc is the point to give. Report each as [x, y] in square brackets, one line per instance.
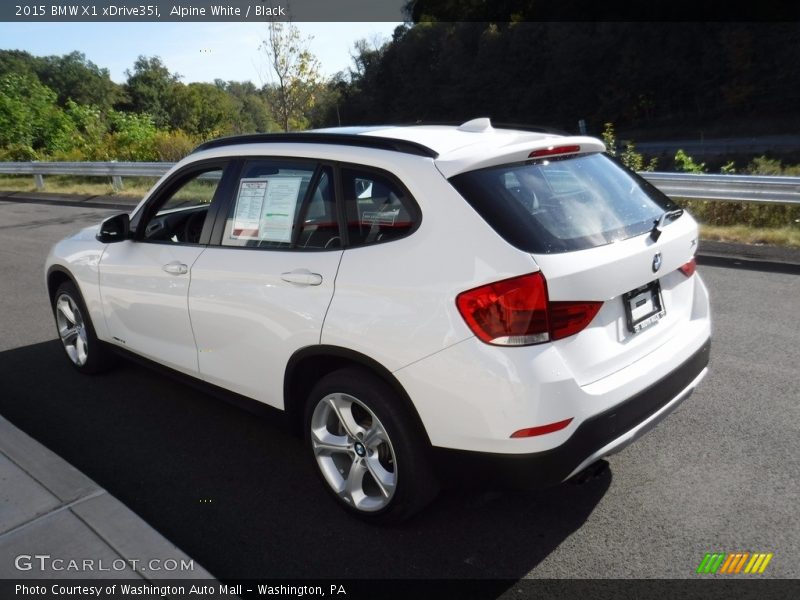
[176, 268]
[302, 277]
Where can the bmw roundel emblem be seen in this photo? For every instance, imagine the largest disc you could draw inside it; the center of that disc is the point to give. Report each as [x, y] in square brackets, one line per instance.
[656, 262]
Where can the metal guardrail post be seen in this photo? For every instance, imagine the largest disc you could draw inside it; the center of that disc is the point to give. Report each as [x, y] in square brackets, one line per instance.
[38, 180]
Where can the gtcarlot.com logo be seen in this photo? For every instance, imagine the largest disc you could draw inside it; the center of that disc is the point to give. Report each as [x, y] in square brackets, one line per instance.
[734, 563]
[46, 562]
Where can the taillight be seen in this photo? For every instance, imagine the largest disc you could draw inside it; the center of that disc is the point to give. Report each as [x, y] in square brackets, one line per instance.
[555, 150]
[689, 268]
[568, 318]
[516, 312]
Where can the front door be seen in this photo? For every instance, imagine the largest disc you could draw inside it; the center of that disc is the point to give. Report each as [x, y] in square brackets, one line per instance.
[145, 280]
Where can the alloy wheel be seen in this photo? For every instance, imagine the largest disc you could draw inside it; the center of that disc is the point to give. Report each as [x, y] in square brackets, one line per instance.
[354, 452]
[72, 329]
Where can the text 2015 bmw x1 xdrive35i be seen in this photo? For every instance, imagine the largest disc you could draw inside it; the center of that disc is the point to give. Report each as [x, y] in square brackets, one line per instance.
[420, 301]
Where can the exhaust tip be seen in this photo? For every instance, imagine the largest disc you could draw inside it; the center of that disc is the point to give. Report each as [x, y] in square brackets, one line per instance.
[596, 470]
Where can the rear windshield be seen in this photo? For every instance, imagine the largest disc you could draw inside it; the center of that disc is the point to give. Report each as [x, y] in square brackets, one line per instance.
[562, 205]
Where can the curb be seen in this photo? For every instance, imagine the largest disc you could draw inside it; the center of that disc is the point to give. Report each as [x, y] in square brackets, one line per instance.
[49, 505]
[109, 202]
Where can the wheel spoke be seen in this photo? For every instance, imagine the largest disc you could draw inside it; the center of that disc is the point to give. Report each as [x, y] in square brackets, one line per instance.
[326, 443]
[375, 436]
[68, 336]
[65, 309]
[344, 412]
[80, 347]
[354, 484]
[385, 479]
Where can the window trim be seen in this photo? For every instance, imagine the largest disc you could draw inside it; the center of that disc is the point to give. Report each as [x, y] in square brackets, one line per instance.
[415, 210]
[228, 202]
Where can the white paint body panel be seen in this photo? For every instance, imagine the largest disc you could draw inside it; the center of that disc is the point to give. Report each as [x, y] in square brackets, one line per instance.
[80, 255]
[395, 302]
[497, 391]
[146, 308]
[248, 321]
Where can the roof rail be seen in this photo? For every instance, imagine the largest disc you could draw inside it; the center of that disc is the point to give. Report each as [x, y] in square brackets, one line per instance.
[347, 139]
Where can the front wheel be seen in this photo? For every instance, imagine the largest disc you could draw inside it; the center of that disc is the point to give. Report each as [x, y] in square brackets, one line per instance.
[368, 451]
[85, 352]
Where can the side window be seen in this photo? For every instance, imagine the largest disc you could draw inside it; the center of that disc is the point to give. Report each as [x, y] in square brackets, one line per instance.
[269, 209]
[378, 209]
[180, 215]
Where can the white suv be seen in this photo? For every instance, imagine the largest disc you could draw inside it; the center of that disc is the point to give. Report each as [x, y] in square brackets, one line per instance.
[426, 304]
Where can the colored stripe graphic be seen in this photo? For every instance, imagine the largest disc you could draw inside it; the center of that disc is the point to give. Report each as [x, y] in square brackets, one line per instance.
[732, 563]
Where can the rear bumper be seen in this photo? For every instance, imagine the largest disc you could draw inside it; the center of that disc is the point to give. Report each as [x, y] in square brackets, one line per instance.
[600, 435]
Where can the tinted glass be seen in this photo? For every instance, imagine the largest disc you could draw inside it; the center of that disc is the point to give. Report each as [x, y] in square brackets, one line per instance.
[378, 209]
[563, 205]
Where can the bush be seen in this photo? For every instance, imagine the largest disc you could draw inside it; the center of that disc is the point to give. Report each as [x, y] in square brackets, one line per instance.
[770, 166]
[629, 157]
[18, 153]
[685, 163]
[172, 146]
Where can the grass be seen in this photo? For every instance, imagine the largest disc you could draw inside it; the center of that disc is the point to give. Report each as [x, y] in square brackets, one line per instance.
[86, 186]
[745, 234]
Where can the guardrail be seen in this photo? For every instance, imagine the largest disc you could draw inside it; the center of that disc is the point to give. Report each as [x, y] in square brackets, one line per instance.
[737, 188]
[115, 170]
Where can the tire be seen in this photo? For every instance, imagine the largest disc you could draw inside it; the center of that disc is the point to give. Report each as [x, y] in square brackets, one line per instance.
[370, 455]
[84, 351]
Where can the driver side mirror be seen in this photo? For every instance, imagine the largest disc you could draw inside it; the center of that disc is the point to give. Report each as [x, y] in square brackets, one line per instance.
[114, 229]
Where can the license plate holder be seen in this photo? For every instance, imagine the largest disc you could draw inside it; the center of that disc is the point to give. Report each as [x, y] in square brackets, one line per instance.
[644, 306]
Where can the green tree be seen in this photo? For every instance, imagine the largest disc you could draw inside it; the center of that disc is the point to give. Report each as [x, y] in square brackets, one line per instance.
[73, 77]
[296, 72]
[200, 109]
[251, 112]
[149, 89]
[30, 119]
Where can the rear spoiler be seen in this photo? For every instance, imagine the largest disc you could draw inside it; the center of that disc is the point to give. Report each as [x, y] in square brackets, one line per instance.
[478, 156]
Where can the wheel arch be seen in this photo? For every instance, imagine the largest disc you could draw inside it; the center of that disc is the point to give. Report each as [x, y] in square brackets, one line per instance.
[308, 365]
[56, 275]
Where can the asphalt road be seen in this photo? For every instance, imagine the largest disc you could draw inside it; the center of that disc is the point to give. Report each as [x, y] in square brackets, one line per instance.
[237, 494]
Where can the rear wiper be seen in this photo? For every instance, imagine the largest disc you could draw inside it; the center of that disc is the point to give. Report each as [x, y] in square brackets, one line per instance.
[659, 223]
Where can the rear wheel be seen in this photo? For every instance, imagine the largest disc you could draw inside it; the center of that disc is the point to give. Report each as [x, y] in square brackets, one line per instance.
[367, 450]
[84, 351]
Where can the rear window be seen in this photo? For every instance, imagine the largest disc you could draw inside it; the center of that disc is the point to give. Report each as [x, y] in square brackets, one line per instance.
[562, 205]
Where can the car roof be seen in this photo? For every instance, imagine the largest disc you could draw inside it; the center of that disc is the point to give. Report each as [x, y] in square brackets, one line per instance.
[471, 145]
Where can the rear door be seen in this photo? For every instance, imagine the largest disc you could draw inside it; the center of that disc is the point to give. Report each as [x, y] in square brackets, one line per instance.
[261, 291]
[589, 225]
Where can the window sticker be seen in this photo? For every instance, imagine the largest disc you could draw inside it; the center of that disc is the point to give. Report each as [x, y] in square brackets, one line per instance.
[265, 208]
[376, 217]
[280, 204]
[249, 204]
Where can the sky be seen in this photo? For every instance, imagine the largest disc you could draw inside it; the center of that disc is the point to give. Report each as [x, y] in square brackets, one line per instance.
[197, 51]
